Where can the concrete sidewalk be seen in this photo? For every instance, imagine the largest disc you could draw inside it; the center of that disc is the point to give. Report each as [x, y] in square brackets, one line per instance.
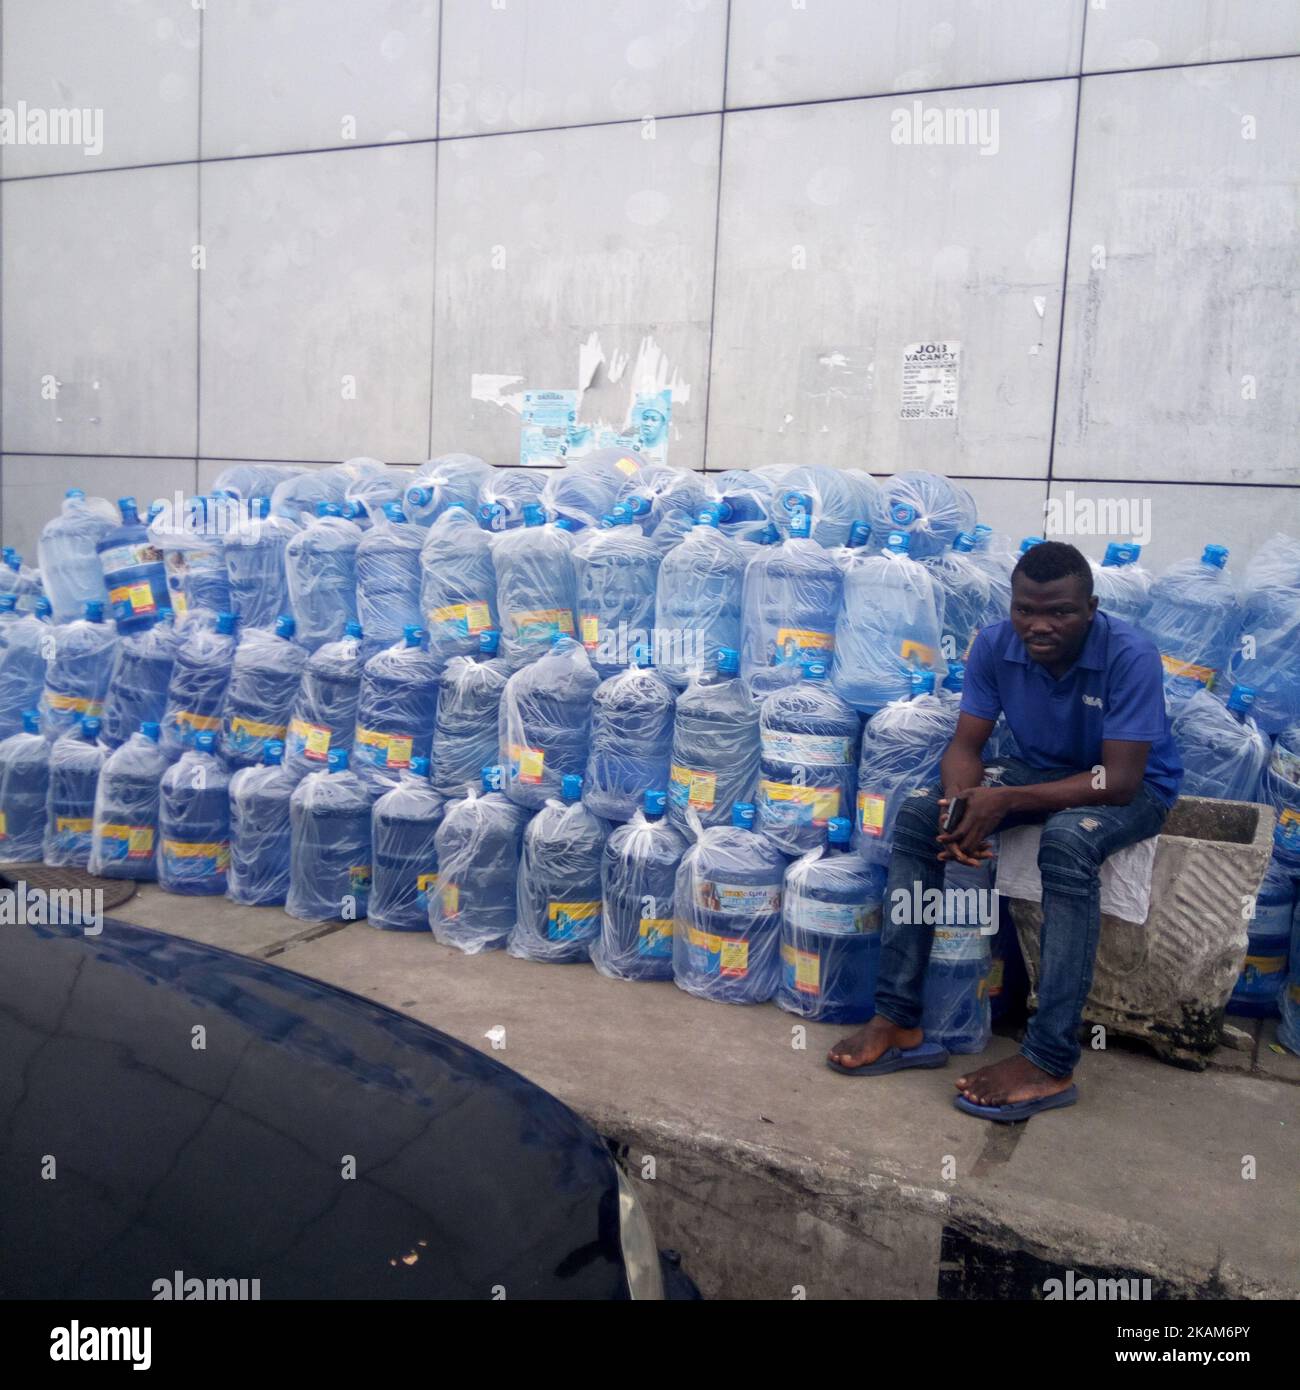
[773, 1175]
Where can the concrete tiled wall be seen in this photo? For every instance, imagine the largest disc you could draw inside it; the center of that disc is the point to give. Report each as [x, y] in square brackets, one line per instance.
[396, 203]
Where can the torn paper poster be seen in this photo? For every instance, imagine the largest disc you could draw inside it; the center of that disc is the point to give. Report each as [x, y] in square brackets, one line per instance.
[930, 381]
[548, 422]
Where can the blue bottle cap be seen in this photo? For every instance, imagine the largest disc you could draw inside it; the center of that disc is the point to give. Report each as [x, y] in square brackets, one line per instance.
[419, 496]
[126, 505]
[491, 778]
[899, 542]
[922, 683]
[31, 721]
[769, 535]
[262, 507]
[625, 513]
[393, 511]
[795, 502]
[742, 815]
[412, 635]
[75, 492]
[225, 623]
[151, 730]
[728, 661]
[43, 607]
[420, 766]
[641, 657]
[272, 752]
[94, 610]
[859, 534]
[7, 603]
[1029, 542]
[91, 725]
[14, 561]
[565, 523]
[1216, 555]
[338, 760]
[956, 676]
[902, 513]
[813, 670]
[534, 514]
[839, 830]
[982, 530]
[571, 786]
[801, 525]
[1241, 698]
[1120, 553]
[707, 516]
[607, 522]
[205, 742]
[655, 803]
[491, 515]
[285, 626]
[488, 642]
[352, 628]
[963, 541]
[354, 510]
[328, 509]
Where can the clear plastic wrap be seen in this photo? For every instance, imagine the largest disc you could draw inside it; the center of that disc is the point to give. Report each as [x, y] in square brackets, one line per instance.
[584, 491]
[75, 762]
[545, 723]
[367, 495]
[631, 741]
[194, 823]
[403, 828]
[330, 865]
[67, 556]
[1262, 980]
[324, 714]
[727, 914]
[245, 480]
[397, 708]
[1224, 754]
[890, 625]
[833, 499]
[254, 555]
[388, 577]
[698, 601]
[966, 595]
[1122, 586]
[443, 482]
[1266, 653]
[133, 571]
[1288, 1028]
[536, 588]
[616, 569]
[927, 507]
[715, 761]
[28, 585]
[477, 847]
[831, 917]
[260, 839]
[744, 502]
[1281, 790]
[1193, 617]
[956, 1012]
[665, 502]
[200, 675]
[25, 641]
[296, 497]
[558, 904]
[320, 571]
[638, 874]
[458, 584]
[503, 495]
[791, 600]
[24, 790]
[77, 672]
[264, 680]
[808, 739]
[996, 556]
[124, 838]
[194, 556]
[466, 733]
[901, 749]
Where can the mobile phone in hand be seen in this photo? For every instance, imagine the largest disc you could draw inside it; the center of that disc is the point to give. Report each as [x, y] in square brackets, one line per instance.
[956, 810]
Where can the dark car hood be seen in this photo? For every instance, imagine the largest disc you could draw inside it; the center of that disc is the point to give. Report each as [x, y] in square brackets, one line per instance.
[227, 1160]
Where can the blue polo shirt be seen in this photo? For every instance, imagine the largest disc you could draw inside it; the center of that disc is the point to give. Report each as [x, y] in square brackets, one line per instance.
[1115, 690]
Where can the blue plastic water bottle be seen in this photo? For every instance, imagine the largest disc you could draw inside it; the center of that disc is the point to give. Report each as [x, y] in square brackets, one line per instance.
[536, 587]
[196, 691]
[388, 578]
[124, 839]
[24, 641]
[324, 714]
[616, 569]
[698, 601]
[465, 732]
[458, 585]
[24, 791]
[715, 758]
[631, 740]
[330, 863]
[403, 827]
[264, 682]
[68, 558]
[194, 822]
[133, 571]
[76, 759]
[78, 671]
[545, 723]
[1193, 617]
[255, 559]
[320, 570]
[396, 709]
[260, 840]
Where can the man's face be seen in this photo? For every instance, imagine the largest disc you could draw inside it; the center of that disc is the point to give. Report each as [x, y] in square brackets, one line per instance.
[1051, 618]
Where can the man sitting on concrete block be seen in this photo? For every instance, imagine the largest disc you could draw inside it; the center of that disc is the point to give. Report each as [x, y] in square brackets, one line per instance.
[1083, 695]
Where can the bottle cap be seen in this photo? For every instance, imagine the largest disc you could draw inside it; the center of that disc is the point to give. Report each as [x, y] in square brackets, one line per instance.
[94, 610]
[31, 721]
[655, 802]
[922, 683]
[491, 778]
[489, 640]
[352, 628]
[813, 670]
[902, 513]
[707, 516]
[91, 725]
[1120, 553]
[637, 504]
[7, 602]
[393, 511]
[859, 534]
[1241, 698]
[338, 760]
[328, 509]
[412, 635]
[1216, 555]
[272, 752]
[205, 742]
[1029, 542]
[839, 830]
[956, 676]
[728, 661]
[963, 541]
[75, 492]
[225, 623]
[151, 730]
[285, 626]
[534, 514]
[565, 523]
[571, 786]
[801, 525]
[742, 815]
[354, 510]
[491, 515]
[899, 542]
[126, 505]
[43, 607]
[420, 766]
[417, 496]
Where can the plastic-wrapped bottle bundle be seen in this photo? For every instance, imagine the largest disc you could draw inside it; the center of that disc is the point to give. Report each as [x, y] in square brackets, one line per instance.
[324, 714]
[466, 733]
[373, 491]
[8, 572]
[24, 641]
[829, 497]
[245, 480]
[477, 848]
[727, 914]
[1258, 991]
[1281, 790]
[698, 602]
[24, 790]
[133, 571]
[744, 503]
[1266, 655]
[124, 837]
[260, 839]
[558, 904]
[442, 482]
[665, 502]
[504, 494]
[616, 570]
[890, 626]
[791, 599]
[458, 584]
[715, 758]
[397, 708]
[1122, 586]
[28, 586]
[264, 681]
[254, 555]
[320, 571]
[403, 825]
[996, 558]
[194, 553]
[75, 762]
[831, 932]
[68, 556]
[194, 822]
[1224, 754]
[200, 675]
[955, 1008]
[545, 723]
[902, 746]
[1288, 1029]
[78, 671]
[388, 578]
[928, 508]
[953, 685]
[330, 865]
[808, 739]
[631, 740]
[536, 587]
[1193, 617]
[295, 498]
[637, 875]
[966, 594]
[584, 491]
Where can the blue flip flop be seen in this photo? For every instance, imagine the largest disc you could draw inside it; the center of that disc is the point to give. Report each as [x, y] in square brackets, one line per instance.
[1017, 1110]
[926, 1054]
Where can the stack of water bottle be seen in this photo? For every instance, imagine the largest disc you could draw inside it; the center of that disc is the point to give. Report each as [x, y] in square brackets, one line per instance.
[641, 718]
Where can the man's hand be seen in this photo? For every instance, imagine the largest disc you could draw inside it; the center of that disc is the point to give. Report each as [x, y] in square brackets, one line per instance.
[986, 807]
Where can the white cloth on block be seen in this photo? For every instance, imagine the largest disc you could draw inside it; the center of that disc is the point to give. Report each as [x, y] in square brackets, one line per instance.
[1125, 875]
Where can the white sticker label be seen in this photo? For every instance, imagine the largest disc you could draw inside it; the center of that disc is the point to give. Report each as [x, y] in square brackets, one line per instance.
[930, 381]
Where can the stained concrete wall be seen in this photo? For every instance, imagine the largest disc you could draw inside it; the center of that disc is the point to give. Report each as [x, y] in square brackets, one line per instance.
[446, 201]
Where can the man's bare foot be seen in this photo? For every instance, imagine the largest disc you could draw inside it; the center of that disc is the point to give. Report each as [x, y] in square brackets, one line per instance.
[872, 1041]
[1012, 1079]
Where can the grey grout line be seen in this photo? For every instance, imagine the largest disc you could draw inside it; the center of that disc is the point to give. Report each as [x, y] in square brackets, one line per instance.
[198, 274]
[437, 170]
[717, 235]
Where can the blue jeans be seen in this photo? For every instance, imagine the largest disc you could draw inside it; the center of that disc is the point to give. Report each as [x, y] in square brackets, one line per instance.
[1074, 845]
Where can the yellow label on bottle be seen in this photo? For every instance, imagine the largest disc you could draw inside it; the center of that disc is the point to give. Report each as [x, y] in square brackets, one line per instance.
[528, 761]
[654, 931]
[450, 900]
[806, 967]
[1174, 667]
[626, 465]
[918, 652]
[200, 723]
[825, 801]
[702, 787]
[75, 825]
[70, 704]
[804, 638]
[536, 623]
[590, 631]
[139, 838]
[424, 882]
[315, 740]
[216, 850]
[871, 814]
[4, 826]
[138, 596]
[1266, 965]
[734, 958]
[255, 728]
[396, 748]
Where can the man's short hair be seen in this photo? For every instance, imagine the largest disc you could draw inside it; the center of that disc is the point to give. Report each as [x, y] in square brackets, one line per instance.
[1049, 560]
